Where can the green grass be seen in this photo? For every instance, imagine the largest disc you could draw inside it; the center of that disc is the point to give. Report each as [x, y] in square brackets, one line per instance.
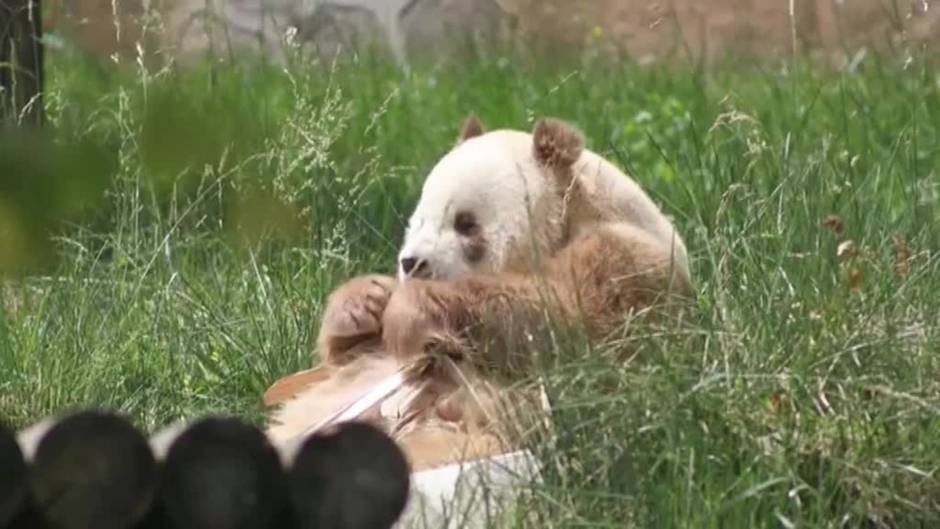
[169, 243]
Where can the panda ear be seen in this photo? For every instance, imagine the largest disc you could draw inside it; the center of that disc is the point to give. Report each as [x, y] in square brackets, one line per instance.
[556, 144]
[472, 127]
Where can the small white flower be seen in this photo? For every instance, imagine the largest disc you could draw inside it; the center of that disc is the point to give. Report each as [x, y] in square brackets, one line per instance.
[290, 36]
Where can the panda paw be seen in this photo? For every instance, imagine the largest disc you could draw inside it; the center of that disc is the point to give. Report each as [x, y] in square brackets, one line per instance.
[354, 313]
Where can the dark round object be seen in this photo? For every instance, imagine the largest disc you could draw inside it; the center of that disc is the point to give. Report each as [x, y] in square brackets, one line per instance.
[93, 470]
[13, 476]
[221, 473]
[351, 477]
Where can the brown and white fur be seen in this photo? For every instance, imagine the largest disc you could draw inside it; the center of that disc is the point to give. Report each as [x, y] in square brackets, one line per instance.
[512, 230]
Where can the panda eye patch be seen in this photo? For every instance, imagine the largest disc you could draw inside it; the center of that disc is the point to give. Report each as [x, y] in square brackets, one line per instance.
[465, 223]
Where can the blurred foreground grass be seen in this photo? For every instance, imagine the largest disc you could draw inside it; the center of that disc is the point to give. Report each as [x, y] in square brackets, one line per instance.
[167, 243]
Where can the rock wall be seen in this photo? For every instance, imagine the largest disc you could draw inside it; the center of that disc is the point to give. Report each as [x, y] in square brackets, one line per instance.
[419, 29]
[703, 30]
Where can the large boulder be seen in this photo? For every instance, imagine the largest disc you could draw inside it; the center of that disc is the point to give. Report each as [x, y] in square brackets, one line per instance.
[408, 30]
[451, 28]
[191, 29]
[334, 29]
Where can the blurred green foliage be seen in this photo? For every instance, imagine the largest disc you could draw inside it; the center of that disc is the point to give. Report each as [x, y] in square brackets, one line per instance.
[44, 187]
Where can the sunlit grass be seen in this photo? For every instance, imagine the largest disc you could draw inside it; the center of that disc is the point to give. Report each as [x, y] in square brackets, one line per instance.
[167, 252]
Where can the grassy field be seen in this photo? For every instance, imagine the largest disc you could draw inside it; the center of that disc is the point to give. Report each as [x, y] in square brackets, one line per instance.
[168, 244]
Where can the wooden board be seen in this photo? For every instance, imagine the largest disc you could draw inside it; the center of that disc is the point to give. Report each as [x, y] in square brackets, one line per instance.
[287, 387]
[431, 445]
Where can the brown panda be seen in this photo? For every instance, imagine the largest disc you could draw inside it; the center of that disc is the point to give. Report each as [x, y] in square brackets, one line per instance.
[512, 230]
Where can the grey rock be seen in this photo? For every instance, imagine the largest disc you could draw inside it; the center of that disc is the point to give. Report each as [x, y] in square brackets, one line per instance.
[451, 27]
[403, 29]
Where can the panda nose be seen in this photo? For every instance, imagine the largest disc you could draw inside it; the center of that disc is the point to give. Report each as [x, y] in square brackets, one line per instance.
[410, 265]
